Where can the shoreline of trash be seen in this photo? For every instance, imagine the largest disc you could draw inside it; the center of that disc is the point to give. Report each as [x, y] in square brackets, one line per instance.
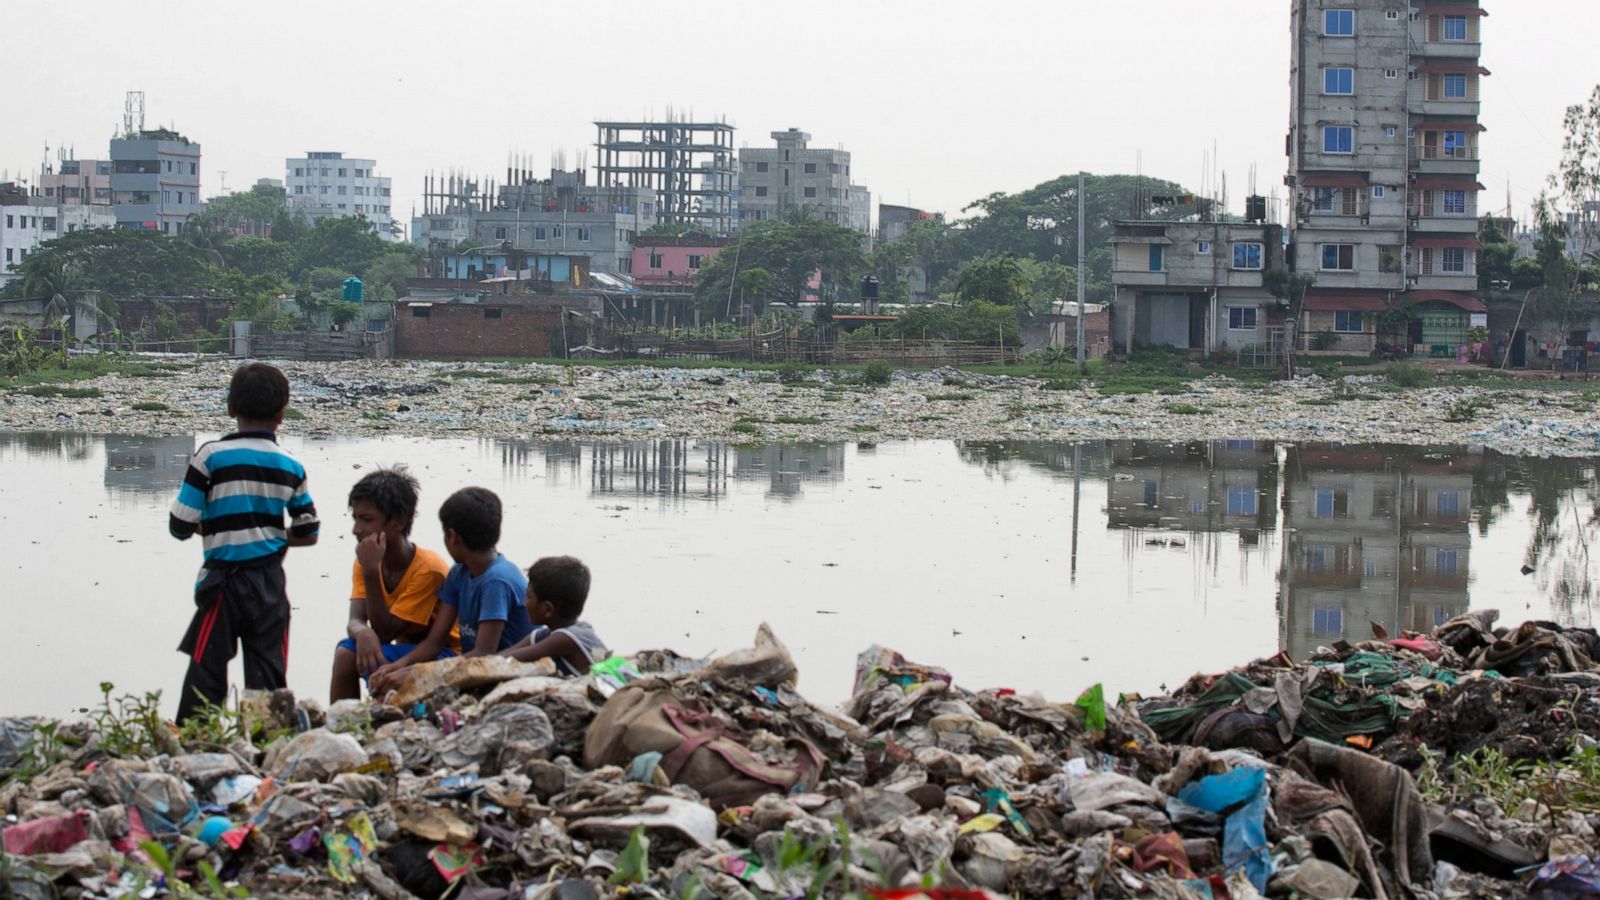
[1460, 763]
[618, 403]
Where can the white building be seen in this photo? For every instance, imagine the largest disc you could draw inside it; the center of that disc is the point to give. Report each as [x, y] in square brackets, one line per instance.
[28, 220]
[326, 185]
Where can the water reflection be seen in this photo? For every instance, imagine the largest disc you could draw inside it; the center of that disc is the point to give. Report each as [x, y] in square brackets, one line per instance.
[677, 468]
[1402, 537]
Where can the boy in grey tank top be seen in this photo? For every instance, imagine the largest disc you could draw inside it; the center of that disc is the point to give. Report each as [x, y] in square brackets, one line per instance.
[558, 587]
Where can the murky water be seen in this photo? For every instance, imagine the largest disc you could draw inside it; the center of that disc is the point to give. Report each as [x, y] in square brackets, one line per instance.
[1031, 565]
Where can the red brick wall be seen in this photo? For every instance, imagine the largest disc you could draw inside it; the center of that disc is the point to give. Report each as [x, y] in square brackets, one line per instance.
[461, 329]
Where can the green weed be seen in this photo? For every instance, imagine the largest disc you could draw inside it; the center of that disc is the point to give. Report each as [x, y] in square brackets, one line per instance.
[150, 406]
[1404, 374]
[1184, 409]
[66, 393]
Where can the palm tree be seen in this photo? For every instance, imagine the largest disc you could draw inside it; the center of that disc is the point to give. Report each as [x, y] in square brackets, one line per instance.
[62, 287]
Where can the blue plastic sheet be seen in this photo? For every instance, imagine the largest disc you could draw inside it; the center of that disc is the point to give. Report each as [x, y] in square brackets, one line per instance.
[1242, 795]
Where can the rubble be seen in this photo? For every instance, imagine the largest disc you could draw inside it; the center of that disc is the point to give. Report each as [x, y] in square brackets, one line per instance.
[420, 398]
[1350, 773]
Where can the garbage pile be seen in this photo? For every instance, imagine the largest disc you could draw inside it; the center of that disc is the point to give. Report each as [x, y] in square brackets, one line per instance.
[663, 776]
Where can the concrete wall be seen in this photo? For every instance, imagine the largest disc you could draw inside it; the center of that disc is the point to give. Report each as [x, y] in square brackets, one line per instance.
[467, 330]
[674, 263]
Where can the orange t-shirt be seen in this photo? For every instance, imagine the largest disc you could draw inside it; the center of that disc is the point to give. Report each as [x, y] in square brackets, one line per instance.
[416, 596]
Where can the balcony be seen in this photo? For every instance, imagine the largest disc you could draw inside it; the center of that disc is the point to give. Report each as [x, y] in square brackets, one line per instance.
[1456, 108]
[1451, 224]
[1451, 49]
[1139, 278]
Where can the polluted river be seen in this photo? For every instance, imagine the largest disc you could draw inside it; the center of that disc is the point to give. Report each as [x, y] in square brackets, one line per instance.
[1034, 566]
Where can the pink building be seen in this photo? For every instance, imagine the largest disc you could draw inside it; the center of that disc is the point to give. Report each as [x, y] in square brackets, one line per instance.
[673, 262]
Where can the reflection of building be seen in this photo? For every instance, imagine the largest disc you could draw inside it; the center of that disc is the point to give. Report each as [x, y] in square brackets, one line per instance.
[1376, 535]
[677, 468]
[1202, 487]
[999, 457]
[790, 467]
[147, 465]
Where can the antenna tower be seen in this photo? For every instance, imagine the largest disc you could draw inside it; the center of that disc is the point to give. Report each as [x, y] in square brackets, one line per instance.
[133, 114]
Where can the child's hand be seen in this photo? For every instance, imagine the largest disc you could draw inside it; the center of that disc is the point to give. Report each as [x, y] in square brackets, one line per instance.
[369, 652]
[369, 552]
[386, 679]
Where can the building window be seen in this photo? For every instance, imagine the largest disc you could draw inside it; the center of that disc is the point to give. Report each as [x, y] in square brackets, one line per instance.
[1455, 28]
[491, 313]
[1247, 255]
[811, 168]
[1323, 508]
[49, 223]
[341, 190]
[1316, 559]
[1389, 258]
[322, 189]
[499, 234]
[1241, 501]
[538, 233]
[1324, 199]
[694, 261]
[8, 255]
[1347, 321]
[1338, 139]
[1202, 248]
[811, 192]
[421, 312]
[1326, 619]
[1455, 203]
[1339, 22]
[1338, 80]
[655, 260]
[1455, 87]
[1338, 257]
[583, 234]
[555, 232]
[9, 222]
[1448, 504]
[761, 167]
[192, 169]
[1391, 73]
[299, 173]
[761, 192]
[1455, 144]
[1445, 562]
[299, 189]
[1377, 192]
[1241, 318]
[342, 172]
[1156, 258]
[1454, 260]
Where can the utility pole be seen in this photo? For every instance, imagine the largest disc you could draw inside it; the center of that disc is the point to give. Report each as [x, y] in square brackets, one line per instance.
[1082, 366]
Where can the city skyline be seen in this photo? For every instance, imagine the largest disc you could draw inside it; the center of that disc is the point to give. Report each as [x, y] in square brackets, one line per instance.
[938, 106]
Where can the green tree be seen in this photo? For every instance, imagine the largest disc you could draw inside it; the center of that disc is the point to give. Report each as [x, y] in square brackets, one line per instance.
[260, 256]
[1290, 287]
[259, 206]
[347, 243]
[1563, 252]
[121, 262]
[391, 271]
[1497, 258]
[66, 294]
[993, 277]
[792, 251]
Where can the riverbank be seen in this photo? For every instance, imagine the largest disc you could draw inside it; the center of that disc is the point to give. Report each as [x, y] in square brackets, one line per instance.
[629, 402]
[1455, 764]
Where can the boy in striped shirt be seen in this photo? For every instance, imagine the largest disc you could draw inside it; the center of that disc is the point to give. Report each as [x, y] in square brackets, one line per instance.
[236, 493]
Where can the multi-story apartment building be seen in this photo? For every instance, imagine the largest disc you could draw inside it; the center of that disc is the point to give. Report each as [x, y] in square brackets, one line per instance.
[565, 214]
[326, 185]
[775, 180]
[28, 220]
[1383, 161]
[1198, 286]
[155, 180]
[70, 182]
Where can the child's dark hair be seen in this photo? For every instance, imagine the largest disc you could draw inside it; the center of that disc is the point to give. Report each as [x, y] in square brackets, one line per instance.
[258, 391]
[473, 513]
[561, 581]
[392, 492]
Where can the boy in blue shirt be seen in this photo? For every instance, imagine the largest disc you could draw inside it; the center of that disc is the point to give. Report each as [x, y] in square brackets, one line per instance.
[235, 494]
[483, 592]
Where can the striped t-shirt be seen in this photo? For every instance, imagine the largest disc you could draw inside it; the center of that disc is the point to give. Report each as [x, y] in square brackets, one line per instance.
[236, 493]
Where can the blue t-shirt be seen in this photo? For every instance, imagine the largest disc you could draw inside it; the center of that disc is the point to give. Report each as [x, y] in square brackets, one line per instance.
[495, 596]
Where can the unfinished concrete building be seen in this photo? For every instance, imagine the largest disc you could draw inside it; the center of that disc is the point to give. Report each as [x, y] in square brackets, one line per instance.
[688, 165]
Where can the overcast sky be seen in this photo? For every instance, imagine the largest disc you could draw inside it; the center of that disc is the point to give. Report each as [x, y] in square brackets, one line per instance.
[939, 101]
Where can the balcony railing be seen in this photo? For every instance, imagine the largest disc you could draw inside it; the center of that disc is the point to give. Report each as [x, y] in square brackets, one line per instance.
[1444, 153]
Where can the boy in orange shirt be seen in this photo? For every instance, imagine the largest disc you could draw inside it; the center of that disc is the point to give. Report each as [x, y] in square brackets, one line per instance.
[395, 588]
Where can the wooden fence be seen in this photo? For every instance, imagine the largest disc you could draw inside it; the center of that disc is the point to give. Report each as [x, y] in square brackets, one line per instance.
[319, 346]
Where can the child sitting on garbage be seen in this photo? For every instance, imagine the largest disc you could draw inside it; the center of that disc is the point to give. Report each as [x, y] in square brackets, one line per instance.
[483, 594]
[557, 589]
[395, 590]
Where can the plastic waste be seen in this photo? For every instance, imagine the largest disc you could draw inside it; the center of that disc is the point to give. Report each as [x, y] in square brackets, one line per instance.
[316, 755]
[48, 835]
[1243, 791]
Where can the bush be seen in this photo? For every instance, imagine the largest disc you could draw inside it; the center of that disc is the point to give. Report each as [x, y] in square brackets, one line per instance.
[793, 373]
[1325, 340]
[1406, 374]
[876, 372]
